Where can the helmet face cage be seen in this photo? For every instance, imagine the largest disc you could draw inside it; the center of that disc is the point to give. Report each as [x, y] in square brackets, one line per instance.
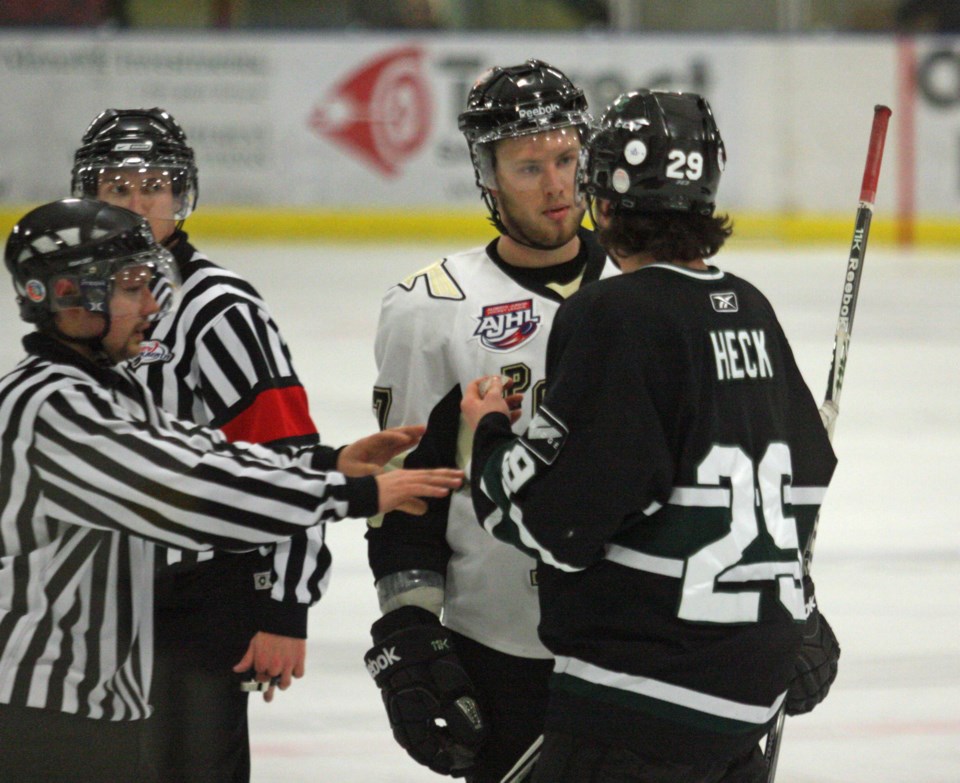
[483, 153]
[655, 151]
[87, 243]
[519, 100]
[137, 141]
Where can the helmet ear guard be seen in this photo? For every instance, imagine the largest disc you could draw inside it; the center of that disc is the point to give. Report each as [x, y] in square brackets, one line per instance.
[86, 289]
[485, 165]
[654, 151]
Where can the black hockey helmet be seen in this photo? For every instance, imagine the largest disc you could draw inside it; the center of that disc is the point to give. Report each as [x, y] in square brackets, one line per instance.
[654, 151]
[137, 139]
[85, 241]
[518, 100]
[521, 99]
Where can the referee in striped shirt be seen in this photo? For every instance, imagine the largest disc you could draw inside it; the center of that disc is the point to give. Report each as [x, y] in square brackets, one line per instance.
[93, 475]
[220, 360]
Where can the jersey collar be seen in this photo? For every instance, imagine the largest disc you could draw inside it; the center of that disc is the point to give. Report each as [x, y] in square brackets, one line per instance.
[709, 274]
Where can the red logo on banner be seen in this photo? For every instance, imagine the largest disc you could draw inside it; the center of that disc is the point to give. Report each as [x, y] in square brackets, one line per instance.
[380, 113]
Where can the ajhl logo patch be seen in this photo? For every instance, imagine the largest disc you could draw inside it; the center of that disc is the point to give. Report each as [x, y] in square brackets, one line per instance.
[151, 352]
[381, 112]
[505, 327]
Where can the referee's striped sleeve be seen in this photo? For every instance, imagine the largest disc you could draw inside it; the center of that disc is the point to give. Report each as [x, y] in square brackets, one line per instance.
[181, 487]
[250, 388]
[252, 394]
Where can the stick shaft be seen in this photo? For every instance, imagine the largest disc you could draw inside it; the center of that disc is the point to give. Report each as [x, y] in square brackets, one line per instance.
[858, 249]
[522, 770]
[841, 343]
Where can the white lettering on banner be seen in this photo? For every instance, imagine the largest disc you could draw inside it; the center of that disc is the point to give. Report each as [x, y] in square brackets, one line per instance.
[741, 354]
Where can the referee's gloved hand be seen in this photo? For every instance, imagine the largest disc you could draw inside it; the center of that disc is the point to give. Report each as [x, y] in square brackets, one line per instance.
[817, 662]
[430, 699]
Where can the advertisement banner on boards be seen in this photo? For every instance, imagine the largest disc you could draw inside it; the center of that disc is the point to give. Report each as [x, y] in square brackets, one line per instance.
[361, 121]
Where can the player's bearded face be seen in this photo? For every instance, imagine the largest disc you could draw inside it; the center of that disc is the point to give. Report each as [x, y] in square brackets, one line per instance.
[536, 193]
[131, 305]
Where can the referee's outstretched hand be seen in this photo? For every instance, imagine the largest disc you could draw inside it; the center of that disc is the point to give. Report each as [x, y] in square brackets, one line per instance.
[368, 455]
[403, 490]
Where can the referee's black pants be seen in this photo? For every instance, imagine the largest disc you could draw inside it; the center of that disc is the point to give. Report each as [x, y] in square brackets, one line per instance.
[47, 746]
[204, 620]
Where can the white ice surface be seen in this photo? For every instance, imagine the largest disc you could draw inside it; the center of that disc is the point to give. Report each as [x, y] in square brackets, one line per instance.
[887, 558]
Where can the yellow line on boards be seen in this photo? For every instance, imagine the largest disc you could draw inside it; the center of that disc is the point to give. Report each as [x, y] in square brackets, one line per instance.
[464, 226]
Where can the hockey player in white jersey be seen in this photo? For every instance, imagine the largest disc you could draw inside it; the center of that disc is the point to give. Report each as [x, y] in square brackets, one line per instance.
[456, 654]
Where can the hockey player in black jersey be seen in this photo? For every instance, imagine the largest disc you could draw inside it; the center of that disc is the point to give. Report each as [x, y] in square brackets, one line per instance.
[468, 693]
[668, 484]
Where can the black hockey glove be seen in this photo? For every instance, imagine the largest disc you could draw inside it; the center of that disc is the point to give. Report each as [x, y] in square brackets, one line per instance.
[816, 665]
[430, 699]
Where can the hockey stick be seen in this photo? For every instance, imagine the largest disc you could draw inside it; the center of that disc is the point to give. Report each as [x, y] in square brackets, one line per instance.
[841, 343]
[525, 764]
[858, 248]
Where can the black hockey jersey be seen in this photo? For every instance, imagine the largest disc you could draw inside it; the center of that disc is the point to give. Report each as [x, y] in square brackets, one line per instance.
[670, 481]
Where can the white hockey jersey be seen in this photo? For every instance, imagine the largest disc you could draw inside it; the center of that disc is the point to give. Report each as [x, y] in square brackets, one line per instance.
[467, 315]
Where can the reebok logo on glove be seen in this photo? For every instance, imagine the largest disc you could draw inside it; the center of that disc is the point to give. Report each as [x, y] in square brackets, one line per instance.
[382, 661]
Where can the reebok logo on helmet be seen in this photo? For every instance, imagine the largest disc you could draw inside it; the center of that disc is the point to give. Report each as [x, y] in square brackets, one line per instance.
[539, 111]
[133, 146]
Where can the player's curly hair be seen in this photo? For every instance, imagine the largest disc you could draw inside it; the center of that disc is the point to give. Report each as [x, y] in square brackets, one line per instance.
[667, 236]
